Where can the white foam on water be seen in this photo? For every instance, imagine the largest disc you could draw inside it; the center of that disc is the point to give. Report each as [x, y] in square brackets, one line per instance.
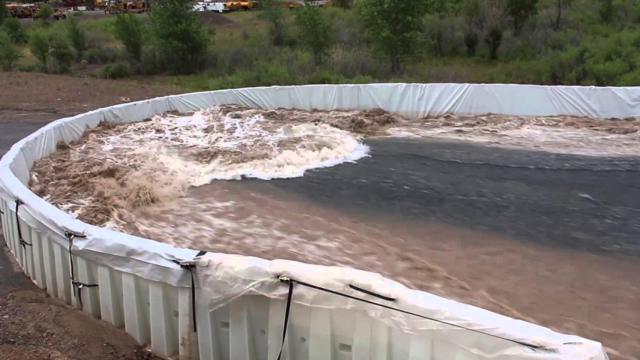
[209, 145]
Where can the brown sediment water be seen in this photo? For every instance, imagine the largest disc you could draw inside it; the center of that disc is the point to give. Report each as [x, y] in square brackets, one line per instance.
[570, 291]
[160, 179]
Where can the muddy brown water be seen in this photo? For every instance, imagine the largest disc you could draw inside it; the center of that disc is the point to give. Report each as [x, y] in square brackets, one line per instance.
[541, 236]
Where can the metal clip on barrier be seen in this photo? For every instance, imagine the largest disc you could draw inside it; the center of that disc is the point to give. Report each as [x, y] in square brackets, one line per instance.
[22, 241]
[77, 285]
[190, 265]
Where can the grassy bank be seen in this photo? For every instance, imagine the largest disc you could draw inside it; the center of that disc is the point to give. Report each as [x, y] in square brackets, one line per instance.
[559, 42]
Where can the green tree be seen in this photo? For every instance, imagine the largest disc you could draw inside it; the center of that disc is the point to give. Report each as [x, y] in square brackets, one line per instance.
[345, 4]
[493, 40]
[392, 27]
[520, 11]
[4, 13]
[606, 11]
[76, 36]
[44, 13]
[180, 38]
[471, 42]
[9, 55]
[272, 13]
[560, 6]
[60, 55]
[39, 46]
[14, 29]
[315, 31]
[130, 31]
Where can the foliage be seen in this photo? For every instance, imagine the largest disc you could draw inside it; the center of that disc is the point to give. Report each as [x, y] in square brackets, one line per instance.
[471, 42]
[315, 31]
[520, 11]
[493, 40]
[9, 55]
[39, 46]
[116, 71]
[100, 55]
[272, 13]
[45, 12]
[14, 29]
[392, 27]
[4, 13]
[60, 55]
[76, 36]
[180, 38]
[345, 4]
[606, 11]
[52, 50]
[129, 29]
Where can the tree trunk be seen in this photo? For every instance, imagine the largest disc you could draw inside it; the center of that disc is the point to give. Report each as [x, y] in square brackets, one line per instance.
[558, 15]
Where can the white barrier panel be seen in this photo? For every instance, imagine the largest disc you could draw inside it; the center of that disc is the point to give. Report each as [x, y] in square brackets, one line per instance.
[241, 302]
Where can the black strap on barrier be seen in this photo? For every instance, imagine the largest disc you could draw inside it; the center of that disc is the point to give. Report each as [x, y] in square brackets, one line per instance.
[77, 285]
[21, 240]
[287, 311]
[291, 282]
[190, 265]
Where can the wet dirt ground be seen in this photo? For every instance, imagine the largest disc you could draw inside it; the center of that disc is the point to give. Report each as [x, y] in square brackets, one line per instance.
[33, 325]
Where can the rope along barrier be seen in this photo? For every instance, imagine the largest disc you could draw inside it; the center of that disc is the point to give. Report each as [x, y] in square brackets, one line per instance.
[77, 285]
[291, 282]
[190, 265]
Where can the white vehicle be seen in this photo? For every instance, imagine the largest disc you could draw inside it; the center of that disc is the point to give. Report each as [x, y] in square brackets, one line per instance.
[202, 6]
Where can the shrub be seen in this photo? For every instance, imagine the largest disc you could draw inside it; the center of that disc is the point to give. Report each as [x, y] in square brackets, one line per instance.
[272, 13]
[9, 55]
[493, 40]
[471, 42]
[61, 55]
[4, 13]
[116, 71]
[520, 11]
[14, 29]
[39, 46]
[52, 50]
[181, 40]
[101, 55]
[45, 12]
[76, 36]
[315, 31]
[129, 30]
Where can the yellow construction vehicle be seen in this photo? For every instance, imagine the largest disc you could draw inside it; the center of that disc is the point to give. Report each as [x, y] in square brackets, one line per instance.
[240, 5]
[126, 6]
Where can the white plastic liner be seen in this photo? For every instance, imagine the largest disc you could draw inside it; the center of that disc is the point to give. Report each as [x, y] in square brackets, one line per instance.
[221, 278]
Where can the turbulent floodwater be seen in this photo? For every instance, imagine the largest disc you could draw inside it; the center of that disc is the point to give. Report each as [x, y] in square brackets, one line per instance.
[458, 206]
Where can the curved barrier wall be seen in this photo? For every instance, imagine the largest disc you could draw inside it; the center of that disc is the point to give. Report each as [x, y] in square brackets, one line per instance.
[240, 303]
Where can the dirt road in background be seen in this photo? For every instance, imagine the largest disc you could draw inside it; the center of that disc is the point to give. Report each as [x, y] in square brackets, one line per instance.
[33, 325]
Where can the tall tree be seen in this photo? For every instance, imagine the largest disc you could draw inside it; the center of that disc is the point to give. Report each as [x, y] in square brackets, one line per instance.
[392, 27]
[129, 30]
[180, 39]
[520, 11]
[606, 11]
[272, 13]
[560, 6]
[315, 31]
[4, 12]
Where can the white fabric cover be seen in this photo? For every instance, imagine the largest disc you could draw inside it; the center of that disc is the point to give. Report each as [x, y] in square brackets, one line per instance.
[227, 276]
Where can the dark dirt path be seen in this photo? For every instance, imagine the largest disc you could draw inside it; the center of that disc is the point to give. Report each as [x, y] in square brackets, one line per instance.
[33, 325]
